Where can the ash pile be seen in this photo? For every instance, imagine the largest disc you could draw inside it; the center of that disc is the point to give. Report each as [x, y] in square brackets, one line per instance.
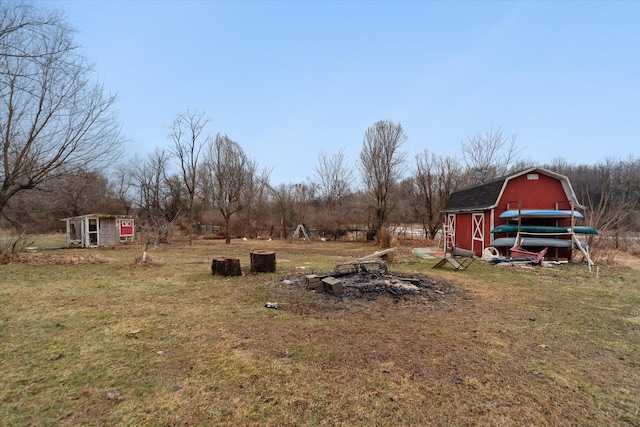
[368, 278]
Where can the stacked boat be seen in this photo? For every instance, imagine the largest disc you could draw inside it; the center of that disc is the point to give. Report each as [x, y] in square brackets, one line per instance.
[532, 233]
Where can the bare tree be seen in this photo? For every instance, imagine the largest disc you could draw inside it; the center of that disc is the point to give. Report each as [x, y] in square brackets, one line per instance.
[333, 178]
[333, 175]
[232, 175]
[159, 198]
[493, 154]
[81, 191]
[382, 164]
[53, 116]
[185, 134]
[283, 199]
[255, 212]
[611, 191]
[435, 178]
[303, 195]
[291, 203]
[122, 179]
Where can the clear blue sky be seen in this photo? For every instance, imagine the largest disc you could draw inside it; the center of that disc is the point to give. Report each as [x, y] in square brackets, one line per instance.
[285, 79]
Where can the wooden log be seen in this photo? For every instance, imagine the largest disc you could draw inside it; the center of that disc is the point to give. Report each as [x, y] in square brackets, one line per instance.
[263, 262]
[225, 266]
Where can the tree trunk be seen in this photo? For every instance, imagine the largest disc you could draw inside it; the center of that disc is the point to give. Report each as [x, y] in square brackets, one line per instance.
[263, 262]
[224, 266]
[227, 225]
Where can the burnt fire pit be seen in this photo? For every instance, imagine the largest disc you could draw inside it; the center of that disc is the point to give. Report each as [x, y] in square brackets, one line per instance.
[361, 278]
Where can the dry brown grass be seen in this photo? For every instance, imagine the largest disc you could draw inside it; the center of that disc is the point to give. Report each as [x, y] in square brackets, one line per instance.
[606, 249]
[107, 344]
[59, 258]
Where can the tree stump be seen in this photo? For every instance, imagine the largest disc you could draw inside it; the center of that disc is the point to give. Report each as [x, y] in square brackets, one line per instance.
[225, 266]
[263, 262]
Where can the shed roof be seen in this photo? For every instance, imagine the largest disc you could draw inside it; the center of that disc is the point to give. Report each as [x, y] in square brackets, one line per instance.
[487, 195]
[97, 216]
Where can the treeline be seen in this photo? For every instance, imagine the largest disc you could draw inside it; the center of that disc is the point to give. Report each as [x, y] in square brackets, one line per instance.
[214, 182]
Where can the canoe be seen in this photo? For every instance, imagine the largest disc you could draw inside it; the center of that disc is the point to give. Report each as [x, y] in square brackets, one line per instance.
[535, 242]
[539, 213]
[513, 228]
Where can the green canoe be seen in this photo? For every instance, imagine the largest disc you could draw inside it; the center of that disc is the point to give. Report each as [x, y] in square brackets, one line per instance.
[513, 228]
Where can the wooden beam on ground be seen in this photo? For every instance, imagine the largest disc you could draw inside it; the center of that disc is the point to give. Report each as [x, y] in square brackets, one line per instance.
[377, 254]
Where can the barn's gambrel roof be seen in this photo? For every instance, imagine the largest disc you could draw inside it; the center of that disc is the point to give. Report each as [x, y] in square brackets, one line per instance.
[487, 195]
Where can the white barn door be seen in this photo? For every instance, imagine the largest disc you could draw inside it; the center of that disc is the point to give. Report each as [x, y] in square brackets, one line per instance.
[450, 231]
[477, 226]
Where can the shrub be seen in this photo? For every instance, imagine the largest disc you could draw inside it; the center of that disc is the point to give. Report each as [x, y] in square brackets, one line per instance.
[13, 245]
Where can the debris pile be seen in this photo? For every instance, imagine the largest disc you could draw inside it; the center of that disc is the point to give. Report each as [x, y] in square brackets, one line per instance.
[368, 278]
[55, 259]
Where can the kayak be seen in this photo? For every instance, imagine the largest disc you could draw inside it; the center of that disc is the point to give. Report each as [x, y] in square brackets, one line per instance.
[535, 242]
[539, 213]
[513, 228]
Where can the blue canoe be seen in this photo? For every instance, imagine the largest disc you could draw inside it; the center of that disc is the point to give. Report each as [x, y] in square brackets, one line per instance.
[513, 228]
[539, 213]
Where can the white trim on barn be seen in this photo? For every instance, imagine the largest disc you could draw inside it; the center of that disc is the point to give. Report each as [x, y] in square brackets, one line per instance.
[93, 230]
[450, 231]
[566, 185]
[492, 223]
[477, 227]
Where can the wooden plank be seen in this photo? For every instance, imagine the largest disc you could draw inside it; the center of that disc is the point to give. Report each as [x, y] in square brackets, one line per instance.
[378, 254]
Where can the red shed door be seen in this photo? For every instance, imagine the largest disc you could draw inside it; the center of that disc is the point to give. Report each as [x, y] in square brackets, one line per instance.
[126, 227]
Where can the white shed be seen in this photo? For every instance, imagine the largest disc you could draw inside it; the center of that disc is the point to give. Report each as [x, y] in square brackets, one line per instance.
[93, 230]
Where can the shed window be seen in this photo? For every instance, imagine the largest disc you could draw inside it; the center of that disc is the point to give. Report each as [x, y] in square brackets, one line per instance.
[532, 176]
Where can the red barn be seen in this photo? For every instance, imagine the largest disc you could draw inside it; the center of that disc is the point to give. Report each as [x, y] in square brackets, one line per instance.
[473, 212]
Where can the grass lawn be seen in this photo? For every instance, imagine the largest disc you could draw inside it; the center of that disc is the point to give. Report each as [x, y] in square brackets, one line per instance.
[88, 338]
